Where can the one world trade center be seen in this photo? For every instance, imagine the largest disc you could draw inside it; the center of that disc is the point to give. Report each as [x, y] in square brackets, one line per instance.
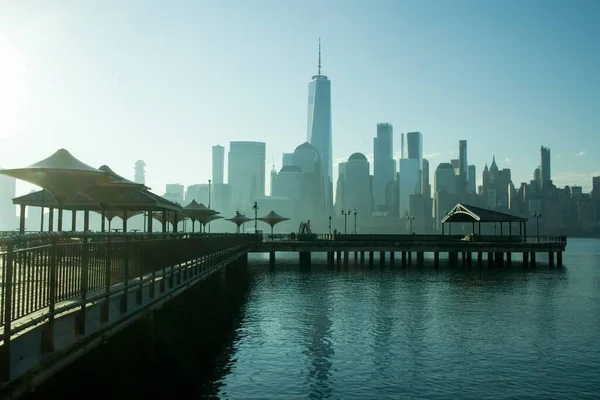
[319, 127]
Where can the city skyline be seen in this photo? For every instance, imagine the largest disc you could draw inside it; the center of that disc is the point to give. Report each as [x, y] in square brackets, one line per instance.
[537, 100]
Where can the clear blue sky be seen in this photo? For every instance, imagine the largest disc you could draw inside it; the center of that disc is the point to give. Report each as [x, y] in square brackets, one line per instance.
[116, 81]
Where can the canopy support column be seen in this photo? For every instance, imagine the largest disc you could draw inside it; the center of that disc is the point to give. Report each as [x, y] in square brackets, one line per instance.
[74, 220]
[164, 221]
[86, 220]
[22, 219]
[60, 218]
[51, 220]
[103, 224]
[124, 221]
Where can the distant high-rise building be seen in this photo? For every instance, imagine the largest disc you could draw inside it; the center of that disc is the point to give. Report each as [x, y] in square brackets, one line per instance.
[409, 183]
[287, 159]
[8, 214]
[308, 159]
[319, 127]
[426, 183]
[455, 162]
[545, 167]
[444, 186]
[596, 188]
[140, 172]
[463, 166]
[198, 192]
[537, 175]
[340, 189]
[218, 164]
[246, 173]
[174, 193]
[383, 166]
[472, 180]
[444, 178]
[289, 182]
[412, 146]
[358, 186]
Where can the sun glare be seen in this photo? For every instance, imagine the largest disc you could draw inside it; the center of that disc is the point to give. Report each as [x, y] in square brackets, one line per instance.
[13, 89]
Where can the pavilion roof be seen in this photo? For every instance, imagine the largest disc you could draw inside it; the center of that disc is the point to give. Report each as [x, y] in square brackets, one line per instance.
[467, 213]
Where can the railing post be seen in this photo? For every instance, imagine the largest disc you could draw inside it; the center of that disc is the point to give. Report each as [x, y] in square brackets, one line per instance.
[140, 293]
[124, 301]
[85, 263]
[5, 360]
[107, 277]
[48, 335]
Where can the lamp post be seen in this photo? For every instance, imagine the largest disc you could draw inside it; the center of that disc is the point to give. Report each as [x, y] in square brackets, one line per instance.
[537, 217]
[345, 214]
[410, 220]
[255, 208]
[355, 221]
[209, 182]
[330, 224]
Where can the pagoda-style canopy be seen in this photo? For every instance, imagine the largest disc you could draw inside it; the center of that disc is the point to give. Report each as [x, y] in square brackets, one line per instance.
[196, 211]
[61, 174]
[107, 192]
[201, 213]
[209, 218]
[173, 217]
[463, 213]
[238, 219]
[111, 214]
[272, 219]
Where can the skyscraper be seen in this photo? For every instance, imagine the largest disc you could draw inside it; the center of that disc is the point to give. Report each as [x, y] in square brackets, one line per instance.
[426, 184]
[218, 164]
[383, 166]
[357, 186]
[463, 166]
[319, 126]
[140, 172]
[409, 183]
[287, 159]
[596, 188]
[472, 181]
[246, 173]
[545, 167]
[308, 159]
[412, 149]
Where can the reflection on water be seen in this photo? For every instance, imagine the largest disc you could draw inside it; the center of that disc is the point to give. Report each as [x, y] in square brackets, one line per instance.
[354, 333]
[420, 332]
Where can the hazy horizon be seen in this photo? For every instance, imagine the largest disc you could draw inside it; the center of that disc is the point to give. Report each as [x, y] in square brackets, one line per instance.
[115, 82]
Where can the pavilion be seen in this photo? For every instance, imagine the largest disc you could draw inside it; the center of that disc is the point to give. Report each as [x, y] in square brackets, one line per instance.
[463, 213]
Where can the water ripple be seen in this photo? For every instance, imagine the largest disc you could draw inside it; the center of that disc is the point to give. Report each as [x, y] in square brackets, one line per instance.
[420, 333]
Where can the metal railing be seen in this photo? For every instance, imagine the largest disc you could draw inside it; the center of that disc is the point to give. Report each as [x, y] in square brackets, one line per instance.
[39, 271]
[382, 238]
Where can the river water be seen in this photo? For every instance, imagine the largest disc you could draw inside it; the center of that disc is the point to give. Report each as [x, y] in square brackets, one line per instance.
[359, 333]
[418, 332]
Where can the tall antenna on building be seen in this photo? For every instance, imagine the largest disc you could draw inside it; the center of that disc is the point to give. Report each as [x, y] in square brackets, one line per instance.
[319, 55]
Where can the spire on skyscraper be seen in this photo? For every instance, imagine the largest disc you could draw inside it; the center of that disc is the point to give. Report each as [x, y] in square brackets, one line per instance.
[319, 55]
